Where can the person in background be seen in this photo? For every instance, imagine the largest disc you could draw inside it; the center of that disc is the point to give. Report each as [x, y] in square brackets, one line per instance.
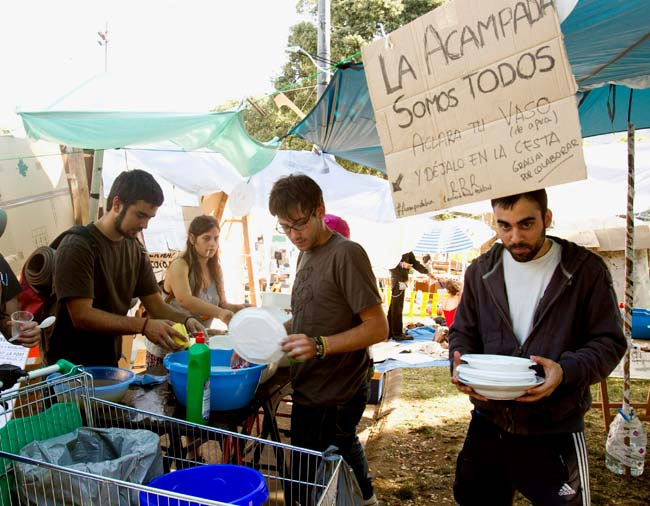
[194, 281]
[96, 278]
[337, 224]
[427, 262]
[450, 303]
[30, 333]
[399, 276]
[553, 301]
[337, 315]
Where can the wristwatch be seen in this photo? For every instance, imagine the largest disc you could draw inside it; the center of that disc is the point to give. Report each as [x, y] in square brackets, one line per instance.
[320, 349]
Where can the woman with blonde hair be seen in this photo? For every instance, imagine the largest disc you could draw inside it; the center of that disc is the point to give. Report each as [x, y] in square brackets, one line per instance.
[194, 280]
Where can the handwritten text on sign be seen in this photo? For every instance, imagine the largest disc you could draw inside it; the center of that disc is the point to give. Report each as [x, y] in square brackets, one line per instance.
[475, 100]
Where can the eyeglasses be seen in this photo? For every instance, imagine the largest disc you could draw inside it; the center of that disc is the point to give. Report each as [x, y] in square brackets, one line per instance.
[298, 226]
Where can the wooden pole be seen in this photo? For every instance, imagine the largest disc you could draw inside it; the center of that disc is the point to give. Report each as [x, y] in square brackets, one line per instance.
[249, 262]
[75, 169]
[96, 184]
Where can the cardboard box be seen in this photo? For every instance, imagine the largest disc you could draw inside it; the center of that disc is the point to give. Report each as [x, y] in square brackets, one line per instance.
[376, 387]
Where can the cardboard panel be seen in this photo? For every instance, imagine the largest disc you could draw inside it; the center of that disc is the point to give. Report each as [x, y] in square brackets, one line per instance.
[475, 100]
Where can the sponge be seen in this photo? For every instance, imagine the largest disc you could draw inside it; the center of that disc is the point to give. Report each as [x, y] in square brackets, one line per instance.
[185, 343]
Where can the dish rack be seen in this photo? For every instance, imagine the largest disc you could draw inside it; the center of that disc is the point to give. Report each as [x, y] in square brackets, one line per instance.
[43, 410]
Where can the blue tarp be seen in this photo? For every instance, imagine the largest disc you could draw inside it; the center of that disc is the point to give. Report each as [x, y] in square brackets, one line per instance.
[608, 45]
[343, 121]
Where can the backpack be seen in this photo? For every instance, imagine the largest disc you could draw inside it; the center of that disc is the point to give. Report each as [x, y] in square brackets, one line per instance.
[37, 275]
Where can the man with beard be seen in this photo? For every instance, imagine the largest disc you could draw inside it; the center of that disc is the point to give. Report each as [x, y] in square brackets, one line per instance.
[336, 316]
[97, 274]
[552, 301]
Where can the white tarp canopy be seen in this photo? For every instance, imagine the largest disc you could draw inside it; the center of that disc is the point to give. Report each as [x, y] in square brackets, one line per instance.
[364, 201]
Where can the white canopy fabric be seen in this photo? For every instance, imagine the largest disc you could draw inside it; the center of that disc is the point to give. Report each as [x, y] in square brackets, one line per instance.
[363, 201]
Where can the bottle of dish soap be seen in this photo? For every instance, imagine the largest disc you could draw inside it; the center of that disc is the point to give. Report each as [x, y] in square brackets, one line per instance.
[198, 382]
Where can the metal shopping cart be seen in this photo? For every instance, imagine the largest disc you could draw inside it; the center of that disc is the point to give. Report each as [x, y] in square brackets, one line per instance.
[46, 409]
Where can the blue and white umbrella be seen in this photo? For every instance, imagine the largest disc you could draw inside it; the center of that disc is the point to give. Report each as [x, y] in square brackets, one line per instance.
[457, 234]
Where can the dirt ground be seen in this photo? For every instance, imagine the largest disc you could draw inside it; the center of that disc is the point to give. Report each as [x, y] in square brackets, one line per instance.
[415, 437]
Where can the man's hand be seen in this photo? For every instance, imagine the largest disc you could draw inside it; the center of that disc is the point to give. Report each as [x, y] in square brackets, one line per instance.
[29, 336]
[194, 326]
[554, 375]
[461, 386]
[161, 332]
[299, 347]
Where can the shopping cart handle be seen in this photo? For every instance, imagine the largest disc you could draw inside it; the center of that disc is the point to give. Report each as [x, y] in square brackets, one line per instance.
[64, 366]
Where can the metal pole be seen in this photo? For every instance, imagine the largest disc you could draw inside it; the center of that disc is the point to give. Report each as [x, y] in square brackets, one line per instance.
[323, 50]
[629, 276]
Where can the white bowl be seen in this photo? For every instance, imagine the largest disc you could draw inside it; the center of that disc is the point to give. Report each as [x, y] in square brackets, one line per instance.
[497, 362]
[501, 392]
[257, 335]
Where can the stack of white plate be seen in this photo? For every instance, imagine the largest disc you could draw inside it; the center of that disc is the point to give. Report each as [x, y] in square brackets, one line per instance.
[498, 377]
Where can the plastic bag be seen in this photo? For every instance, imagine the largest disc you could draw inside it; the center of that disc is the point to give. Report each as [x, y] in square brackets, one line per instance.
[124, 454]
[619, 454]
[348, 492]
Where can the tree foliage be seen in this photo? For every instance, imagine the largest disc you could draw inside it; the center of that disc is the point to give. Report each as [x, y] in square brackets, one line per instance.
[353, 24]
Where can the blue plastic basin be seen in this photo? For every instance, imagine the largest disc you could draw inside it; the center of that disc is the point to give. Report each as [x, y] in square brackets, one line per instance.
[227, 483]
[111, 383]
[640, 323]
[229, 389]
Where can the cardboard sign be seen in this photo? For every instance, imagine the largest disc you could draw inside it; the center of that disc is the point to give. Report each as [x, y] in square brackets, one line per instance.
[475, 100]
[161, 261]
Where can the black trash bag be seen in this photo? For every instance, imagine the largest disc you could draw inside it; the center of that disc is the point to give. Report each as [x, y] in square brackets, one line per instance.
[122, 454]
[348, 492]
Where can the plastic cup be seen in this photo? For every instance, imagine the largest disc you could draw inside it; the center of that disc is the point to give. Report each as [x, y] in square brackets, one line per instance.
[18, 318]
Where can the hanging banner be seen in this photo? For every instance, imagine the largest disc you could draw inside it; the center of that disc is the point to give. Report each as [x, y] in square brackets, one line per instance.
[475, 100]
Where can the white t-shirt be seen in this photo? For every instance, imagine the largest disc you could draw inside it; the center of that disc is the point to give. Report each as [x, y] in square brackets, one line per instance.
[526, 283]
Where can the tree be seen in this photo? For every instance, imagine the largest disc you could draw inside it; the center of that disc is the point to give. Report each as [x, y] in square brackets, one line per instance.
[353, 24]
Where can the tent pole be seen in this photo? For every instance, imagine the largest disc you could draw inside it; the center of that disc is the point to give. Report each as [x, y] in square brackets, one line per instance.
[249, 262]
[96, 184]
[629, 273]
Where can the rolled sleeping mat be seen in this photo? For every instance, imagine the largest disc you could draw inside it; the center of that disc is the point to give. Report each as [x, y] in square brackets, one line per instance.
[39, 269]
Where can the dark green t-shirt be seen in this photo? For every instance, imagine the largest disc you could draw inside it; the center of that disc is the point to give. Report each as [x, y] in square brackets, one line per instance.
[334, 283]
[111, 273]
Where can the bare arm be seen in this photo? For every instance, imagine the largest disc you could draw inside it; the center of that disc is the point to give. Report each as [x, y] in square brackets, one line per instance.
[177, 282]
[159, 331]
[372, 329]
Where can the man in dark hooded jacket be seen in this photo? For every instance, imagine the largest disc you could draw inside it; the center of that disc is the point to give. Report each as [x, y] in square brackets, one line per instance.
[553, 301]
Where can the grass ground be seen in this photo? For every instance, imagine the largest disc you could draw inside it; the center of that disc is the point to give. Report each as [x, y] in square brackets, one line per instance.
[413, 453]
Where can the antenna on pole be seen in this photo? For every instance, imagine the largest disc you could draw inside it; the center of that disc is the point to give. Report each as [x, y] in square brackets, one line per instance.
[103, 41]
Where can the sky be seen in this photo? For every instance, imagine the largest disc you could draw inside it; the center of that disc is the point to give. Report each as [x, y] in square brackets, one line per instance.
[166, 54]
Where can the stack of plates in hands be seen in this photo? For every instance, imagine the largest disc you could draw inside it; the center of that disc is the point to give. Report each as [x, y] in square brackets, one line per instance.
[498, 377]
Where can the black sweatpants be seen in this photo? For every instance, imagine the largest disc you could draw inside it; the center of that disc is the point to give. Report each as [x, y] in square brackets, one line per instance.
[548, 470]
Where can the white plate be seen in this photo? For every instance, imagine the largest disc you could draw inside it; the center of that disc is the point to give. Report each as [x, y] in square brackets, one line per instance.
[501, 392]
[256, 335]
[498, 376]
[496, 383]
[497, 362]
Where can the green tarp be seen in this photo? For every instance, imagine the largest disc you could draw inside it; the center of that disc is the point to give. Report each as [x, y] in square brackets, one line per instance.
[222, 132]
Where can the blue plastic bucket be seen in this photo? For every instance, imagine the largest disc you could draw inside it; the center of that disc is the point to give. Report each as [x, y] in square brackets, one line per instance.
[111, 383]
[227, 483]
[229, 389]
[640, 323]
